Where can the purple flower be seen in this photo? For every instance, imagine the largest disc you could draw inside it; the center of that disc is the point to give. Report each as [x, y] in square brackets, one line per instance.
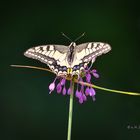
[63, 81]
[87, 91]
[94, 70]
[88, 77]
[92, 92]
[94, 73]
[84, 97]
[81, 94]
[59, 88]
[51, 87]
[64, 91]
[69, 91]
[81, 100]
[78, 94]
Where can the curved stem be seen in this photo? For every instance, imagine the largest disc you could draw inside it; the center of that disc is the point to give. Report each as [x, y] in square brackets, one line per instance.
[80, 82]
[31, 67]
[70, 112]
[110, 90]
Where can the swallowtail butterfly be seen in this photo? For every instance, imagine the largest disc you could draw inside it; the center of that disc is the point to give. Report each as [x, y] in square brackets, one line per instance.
[68, 60]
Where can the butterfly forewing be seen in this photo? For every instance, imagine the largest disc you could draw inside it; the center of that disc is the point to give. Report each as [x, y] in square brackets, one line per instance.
[89, 51]
[52, 55]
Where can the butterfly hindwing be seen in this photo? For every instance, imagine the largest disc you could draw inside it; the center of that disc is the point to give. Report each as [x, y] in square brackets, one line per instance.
[52, 55]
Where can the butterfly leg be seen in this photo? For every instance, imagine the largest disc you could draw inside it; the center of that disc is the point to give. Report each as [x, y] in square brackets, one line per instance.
[92, 61]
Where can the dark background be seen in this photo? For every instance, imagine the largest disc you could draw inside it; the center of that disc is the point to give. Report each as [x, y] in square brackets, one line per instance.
[28, 112]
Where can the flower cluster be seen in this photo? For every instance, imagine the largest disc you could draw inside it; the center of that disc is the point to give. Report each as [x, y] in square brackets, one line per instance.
[81, 92]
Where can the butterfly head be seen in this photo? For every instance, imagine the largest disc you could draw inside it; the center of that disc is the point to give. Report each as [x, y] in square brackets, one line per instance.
[73, 44]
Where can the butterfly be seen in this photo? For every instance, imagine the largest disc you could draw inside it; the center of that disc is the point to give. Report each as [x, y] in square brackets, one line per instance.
[68, 60]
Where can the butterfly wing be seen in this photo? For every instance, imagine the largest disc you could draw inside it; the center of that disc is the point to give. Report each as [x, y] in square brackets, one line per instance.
[52, 55]
[87, 52]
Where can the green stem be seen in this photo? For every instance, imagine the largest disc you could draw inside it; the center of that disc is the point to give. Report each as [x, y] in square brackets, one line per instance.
[116, 91]
[70, 112]
[110, 90]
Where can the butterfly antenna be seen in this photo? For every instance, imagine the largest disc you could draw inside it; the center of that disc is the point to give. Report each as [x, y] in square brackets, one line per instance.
[66, 36]
[79, 37]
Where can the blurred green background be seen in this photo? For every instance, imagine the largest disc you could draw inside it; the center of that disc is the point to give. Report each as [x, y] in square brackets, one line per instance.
[28, 111]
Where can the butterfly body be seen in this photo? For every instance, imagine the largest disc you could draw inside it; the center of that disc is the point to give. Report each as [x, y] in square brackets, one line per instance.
[68, 60]
[71, 53]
